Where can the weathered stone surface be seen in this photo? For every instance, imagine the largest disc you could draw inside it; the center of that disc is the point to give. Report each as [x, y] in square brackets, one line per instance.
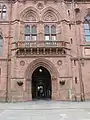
[18, 61]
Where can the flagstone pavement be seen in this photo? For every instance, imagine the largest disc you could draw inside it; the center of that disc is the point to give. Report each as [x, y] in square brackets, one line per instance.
[45, 110]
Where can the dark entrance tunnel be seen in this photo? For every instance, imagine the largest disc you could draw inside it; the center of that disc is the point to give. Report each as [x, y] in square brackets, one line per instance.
[41, 84]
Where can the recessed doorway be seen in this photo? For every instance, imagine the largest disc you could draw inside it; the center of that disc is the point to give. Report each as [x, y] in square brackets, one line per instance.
[41, 84]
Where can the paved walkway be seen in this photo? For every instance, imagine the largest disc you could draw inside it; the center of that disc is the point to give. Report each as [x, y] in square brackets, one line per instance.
[45, 110]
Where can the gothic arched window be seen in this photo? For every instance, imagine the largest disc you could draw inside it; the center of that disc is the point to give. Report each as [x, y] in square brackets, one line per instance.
[87, 28]
[27, 32]
[50, 32]
[4, 10]
[53, 32]
[34, 32]
[30, 32]
[47, 32]
[1, 44]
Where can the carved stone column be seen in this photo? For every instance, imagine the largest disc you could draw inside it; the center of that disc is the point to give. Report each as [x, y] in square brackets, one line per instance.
[54, 89]
[40, 31]
[28, 90]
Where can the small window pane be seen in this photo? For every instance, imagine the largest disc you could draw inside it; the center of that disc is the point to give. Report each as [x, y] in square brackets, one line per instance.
[86, 26]
[34, 30]
[76, 80]
[4, 7]
[4, 12]
[53, 29]
[3, 16]
[47, 37]
[87, 32]
[34, 37]
[46, 28]
[27, 38]
[0, 51]
[88, 38]
[0, 42]
[53, 37]
[27, 29]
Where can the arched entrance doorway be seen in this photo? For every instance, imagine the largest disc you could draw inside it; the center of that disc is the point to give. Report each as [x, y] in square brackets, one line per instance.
[41, 84]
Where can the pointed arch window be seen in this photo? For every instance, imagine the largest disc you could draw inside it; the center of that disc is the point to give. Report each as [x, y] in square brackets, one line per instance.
[34, 32]
[30, 32]
[87, 28]
[50, 32]
[4, 10]
[1, 44]
[47, 32]
[53, 32]
[27, 32]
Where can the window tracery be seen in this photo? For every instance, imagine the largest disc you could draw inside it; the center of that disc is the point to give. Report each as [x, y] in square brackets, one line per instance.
[30, 32]
[49, 17]
[50, 32]
[29, 14]
[87, 28]
[30, 17]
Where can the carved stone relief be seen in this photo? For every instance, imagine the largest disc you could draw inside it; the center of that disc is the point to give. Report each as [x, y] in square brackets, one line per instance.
[22, 63]
[40, 6]
[59, 62]
[49, 17]
[30, 17]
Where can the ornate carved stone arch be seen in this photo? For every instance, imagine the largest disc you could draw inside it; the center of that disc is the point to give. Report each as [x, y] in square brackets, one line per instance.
[30, 14]
[41, 62]
[50, 12]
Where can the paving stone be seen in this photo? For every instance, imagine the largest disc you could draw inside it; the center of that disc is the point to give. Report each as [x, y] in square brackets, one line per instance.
[45, 110]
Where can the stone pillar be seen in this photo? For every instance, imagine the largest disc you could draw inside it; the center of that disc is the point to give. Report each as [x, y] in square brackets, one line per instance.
[28, 90]
[54, 89]
[40, 31]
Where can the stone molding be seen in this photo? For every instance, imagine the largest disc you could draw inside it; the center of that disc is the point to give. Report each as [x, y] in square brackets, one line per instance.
[41, 62]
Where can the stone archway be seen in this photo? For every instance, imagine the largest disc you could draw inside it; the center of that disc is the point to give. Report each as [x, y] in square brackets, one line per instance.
[41, 84]
[53, 12]
[30, 12]
[50, 68]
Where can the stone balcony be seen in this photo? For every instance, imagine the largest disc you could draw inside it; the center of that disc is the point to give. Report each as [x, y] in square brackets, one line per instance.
[40, 48]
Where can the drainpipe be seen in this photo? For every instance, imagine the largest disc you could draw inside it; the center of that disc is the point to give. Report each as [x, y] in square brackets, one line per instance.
[9, 55]
[82, 95]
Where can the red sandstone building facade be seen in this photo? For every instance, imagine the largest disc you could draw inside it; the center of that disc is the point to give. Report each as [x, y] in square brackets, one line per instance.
[44, 50]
